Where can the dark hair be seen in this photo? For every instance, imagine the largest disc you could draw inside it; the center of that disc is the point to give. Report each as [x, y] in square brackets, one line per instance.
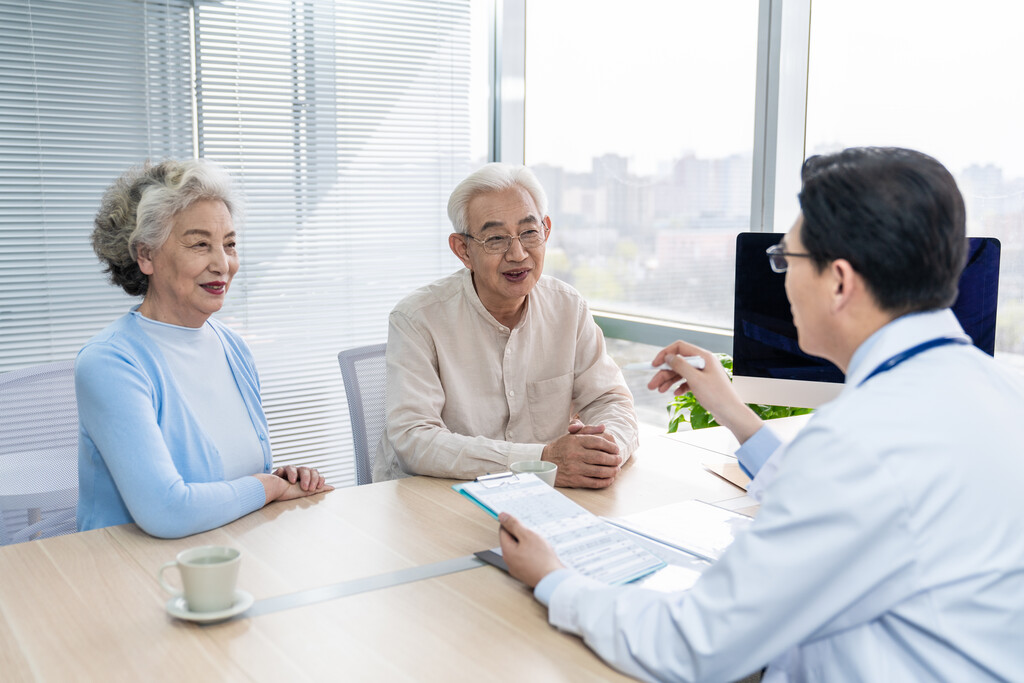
[896, 215]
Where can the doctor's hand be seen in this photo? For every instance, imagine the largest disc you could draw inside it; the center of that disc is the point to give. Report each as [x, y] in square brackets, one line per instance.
[587, 457]
[711, 386]
[529, 557]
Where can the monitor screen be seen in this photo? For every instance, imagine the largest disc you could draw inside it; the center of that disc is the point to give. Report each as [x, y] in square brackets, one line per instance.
[768, 365]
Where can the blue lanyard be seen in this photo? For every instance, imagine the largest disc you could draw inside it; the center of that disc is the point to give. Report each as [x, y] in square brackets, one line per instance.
[910, 353]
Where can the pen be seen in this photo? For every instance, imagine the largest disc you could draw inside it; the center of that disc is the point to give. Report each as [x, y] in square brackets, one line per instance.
[695, 361]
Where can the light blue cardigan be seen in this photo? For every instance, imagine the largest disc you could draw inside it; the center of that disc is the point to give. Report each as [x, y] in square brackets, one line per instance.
[142, 455]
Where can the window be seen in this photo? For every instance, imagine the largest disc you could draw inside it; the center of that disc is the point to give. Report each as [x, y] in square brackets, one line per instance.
[345, 123]
[640, 125]
[942, 79]
[76, 112]
[350, 122]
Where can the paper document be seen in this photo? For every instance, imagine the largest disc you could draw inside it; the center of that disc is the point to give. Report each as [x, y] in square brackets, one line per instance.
[696, 527]
[730, 471]
[582, 540]
[682, 571]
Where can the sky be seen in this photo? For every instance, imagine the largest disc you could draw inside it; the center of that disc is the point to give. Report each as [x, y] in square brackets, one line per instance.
[653, 82]
[654, 79]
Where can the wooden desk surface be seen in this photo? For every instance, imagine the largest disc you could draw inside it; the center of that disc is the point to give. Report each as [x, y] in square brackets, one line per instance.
[88, 606]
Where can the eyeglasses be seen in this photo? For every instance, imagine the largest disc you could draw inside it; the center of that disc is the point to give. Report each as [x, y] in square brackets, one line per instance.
[499, 244]
[777, 257]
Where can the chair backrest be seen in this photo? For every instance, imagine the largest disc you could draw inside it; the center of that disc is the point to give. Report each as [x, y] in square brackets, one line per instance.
[364, 372]
[38, 452]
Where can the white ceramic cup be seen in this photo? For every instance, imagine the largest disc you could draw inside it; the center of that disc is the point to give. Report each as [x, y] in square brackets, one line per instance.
[545, 471]
[208, 573]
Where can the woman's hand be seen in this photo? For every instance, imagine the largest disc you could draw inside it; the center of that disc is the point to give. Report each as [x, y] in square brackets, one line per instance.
[308, 478]
[291, 482]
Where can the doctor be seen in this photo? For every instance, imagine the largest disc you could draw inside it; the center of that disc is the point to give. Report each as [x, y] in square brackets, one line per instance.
[888, 544]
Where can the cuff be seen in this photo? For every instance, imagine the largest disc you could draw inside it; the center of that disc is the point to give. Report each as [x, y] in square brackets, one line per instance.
[626, 439]
[567, 596]
[756, 450]
[523, 451]
[251, 494]
[548, 584]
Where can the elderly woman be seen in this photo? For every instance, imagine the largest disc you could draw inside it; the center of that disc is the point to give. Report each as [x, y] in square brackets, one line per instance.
[172, 435]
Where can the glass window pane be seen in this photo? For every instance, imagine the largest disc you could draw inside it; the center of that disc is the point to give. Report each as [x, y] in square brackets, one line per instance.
[639, 123]
[943, 80]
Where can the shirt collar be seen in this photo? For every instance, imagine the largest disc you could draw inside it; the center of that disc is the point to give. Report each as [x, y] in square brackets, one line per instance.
[474, 301]
[899, 335]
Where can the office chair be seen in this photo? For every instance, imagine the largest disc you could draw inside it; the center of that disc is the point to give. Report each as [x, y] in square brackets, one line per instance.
[38, 452]
[364, 373]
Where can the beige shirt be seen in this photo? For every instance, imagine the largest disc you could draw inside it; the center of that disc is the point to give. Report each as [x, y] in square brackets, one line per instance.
[467, 395]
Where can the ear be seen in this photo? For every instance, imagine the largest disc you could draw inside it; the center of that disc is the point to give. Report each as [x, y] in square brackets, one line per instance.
[846, 284]
[457, 243]
[547, 227]
[145, 259]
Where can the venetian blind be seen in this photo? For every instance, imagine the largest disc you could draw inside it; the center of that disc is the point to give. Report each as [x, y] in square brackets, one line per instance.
[86, 90]
[346, 124]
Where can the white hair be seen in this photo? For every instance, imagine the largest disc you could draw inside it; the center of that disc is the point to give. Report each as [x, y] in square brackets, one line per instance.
[493, 177]
[180, 185]
[138, 209]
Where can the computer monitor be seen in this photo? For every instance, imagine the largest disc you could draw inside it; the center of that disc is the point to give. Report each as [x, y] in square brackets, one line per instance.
[768, 365]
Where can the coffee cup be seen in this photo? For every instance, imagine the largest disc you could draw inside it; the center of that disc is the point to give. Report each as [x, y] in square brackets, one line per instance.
[208, 574]
[545, 471]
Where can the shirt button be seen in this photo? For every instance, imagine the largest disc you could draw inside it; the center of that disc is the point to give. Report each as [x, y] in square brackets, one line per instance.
[511, 393]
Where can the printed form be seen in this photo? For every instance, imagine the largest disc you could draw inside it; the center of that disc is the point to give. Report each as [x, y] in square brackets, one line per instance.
[582, 540]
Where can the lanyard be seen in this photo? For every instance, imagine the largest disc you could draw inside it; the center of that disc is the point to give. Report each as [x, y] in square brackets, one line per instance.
[910, 353]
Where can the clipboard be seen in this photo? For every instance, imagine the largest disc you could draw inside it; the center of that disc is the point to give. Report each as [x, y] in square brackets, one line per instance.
[581, 539]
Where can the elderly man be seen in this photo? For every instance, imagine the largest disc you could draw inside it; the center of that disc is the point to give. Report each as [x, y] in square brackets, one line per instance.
[889, 544]
[498, 363]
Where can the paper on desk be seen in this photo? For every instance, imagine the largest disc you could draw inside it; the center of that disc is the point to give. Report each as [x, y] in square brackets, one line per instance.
[730, 471]
[581, 539]
[696, 527]
[680, 573]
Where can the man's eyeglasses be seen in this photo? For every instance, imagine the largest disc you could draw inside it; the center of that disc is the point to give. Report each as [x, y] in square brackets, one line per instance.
[499, 244]
[777, 257]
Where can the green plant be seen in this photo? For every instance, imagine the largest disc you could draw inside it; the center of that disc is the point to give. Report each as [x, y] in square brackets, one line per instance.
[687, 408]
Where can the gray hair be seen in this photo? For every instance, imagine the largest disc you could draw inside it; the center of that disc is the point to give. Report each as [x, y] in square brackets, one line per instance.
[493, 177]
[138, 209]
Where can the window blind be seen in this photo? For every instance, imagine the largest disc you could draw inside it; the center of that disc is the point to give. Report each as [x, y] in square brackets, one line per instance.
[86, 90]
[346, 124]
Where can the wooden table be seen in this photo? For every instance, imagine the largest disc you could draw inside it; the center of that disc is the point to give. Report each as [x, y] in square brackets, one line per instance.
[88, 606]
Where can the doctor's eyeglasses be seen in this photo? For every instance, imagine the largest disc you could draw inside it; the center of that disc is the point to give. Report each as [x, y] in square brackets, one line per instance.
[777, 257]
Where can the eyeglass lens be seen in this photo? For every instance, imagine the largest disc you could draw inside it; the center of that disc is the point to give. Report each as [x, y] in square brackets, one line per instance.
[529, 239]
[777, 259]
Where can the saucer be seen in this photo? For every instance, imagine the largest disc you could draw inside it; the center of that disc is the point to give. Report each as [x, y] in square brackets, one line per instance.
[178, 607]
